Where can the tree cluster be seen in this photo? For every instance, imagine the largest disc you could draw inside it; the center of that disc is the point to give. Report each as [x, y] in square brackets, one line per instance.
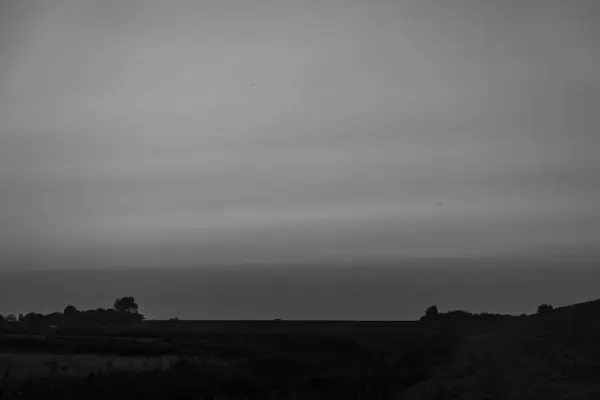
[432, 314]
[124, 311]
[545, 309]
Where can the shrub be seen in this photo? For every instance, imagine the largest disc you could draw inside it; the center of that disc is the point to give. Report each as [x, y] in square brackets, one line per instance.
[545, 309]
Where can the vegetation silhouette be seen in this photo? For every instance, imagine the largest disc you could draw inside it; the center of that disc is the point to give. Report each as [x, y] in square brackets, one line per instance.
[452, 354]
[545, 309]
[125, 313]
[431, 313]
[126, 305]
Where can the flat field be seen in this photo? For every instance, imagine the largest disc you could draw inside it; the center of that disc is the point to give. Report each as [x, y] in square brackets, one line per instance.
[238, 359]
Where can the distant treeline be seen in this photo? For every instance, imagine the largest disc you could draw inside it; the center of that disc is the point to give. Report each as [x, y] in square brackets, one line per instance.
[432, 313]
[124, 311]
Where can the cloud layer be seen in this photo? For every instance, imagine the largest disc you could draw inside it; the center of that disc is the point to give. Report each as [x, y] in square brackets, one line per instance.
[136, 132]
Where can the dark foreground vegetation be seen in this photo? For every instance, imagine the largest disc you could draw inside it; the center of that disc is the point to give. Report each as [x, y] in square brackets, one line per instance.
[553, 354]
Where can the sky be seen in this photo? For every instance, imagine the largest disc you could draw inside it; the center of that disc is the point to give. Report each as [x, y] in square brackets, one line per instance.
[402, 139]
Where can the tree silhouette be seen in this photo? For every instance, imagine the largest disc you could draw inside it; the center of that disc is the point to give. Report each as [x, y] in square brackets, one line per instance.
[127, 305]
[34, 318]
[70, 311]
[544, 309]
[431, 313]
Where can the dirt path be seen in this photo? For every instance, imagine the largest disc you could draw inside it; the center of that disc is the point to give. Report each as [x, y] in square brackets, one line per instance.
[512, 365]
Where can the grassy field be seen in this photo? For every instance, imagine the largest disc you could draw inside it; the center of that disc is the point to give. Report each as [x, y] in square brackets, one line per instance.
[552, 357]
[25, 365]
[244, 359]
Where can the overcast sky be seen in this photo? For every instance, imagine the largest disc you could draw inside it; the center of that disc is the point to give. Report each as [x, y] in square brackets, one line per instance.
[227, 132]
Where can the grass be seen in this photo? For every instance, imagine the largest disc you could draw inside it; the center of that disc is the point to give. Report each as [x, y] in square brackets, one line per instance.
[38, 365]
[550, 357]
[553, 357]
[262, 379]
[361, 364]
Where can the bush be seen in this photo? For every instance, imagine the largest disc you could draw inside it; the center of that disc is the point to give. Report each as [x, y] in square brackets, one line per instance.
[431, 313]
[545, 309]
